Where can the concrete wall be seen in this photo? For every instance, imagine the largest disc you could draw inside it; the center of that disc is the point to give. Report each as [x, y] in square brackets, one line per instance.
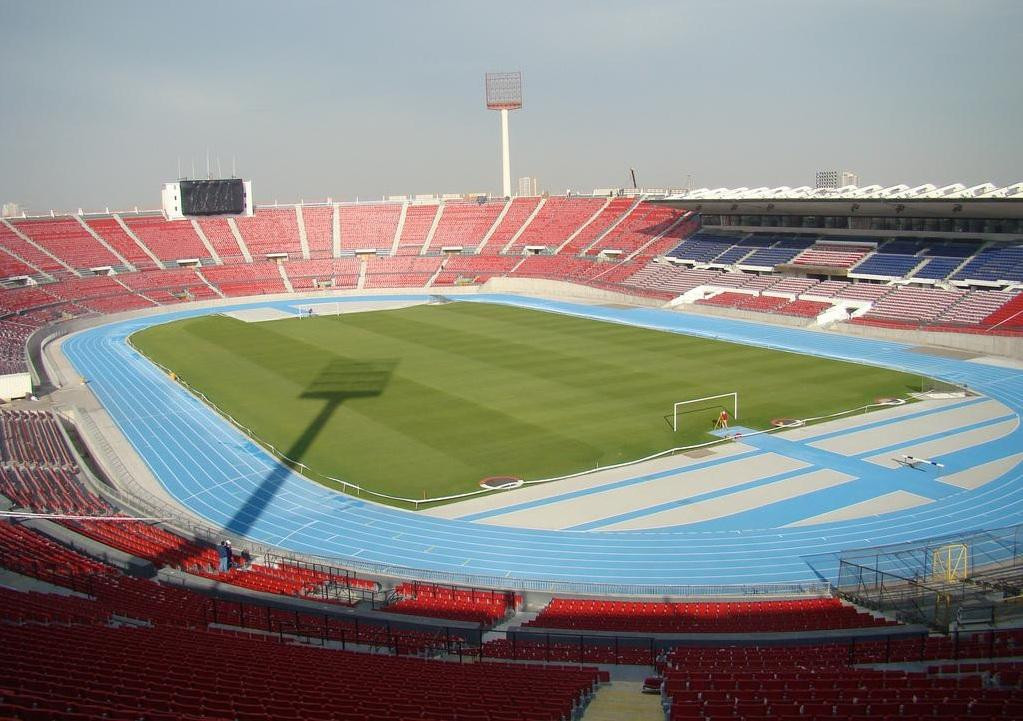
[1000, 345]
[563, 289]
[15, 385]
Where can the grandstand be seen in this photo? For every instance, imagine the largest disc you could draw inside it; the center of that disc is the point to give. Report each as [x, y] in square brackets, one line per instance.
[658, 252]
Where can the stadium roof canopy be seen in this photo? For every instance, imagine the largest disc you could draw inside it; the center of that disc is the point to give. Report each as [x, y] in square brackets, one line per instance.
[956, 191]
[923, 201]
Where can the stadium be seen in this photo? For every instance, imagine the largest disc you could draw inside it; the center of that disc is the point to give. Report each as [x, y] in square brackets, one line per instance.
[668, 453]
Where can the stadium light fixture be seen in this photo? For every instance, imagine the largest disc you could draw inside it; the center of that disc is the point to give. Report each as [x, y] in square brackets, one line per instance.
[504, 93]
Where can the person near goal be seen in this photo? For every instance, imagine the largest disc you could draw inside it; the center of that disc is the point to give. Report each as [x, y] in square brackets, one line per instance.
[722, 421]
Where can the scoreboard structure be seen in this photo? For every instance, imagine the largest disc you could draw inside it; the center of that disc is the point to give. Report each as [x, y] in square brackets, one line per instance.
[190, 198]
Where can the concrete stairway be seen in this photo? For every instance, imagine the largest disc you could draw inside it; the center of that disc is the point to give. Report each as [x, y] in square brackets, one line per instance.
[621, 700]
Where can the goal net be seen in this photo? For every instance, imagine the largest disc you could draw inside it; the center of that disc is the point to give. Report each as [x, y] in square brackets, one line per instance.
[722, 401]
[307, 310]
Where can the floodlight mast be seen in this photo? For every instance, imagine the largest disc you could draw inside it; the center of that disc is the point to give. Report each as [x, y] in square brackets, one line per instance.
[504, 93]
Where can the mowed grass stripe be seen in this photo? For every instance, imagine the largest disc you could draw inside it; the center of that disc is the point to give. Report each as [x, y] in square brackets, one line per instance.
[430, 399]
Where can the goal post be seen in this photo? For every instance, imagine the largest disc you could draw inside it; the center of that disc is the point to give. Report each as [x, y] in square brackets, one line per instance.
[317, 309]
[734, 395]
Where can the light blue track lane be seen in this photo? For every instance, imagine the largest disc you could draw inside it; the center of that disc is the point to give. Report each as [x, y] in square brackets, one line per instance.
[210, 467]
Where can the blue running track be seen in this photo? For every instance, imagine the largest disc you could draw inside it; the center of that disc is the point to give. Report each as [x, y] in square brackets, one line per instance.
[213, 469]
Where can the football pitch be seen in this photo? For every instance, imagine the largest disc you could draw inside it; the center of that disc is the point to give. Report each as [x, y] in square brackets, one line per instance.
[429, 400]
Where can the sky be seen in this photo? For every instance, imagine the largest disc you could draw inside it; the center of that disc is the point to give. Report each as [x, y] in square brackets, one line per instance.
[100, 99]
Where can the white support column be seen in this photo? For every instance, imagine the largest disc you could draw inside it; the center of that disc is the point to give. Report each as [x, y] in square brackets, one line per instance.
[505, 154]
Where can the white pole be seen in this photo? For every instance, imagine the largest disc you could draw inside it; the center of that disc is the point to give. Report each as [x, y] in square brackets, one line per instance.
[505, 153]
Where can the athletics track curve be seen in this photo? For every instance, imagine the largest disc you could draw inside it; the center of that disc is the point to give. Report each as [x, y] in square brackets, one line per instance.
[211, 468]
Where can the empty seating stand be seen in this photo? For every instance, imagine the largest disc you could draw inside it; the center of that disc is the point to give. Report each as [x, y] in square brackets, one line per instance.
[270, 231]
[710, 617]
[169, 240]
[556, 221]
[69, 241]
[518, 212]
[368, 226]
[463, 224]
[485, 607]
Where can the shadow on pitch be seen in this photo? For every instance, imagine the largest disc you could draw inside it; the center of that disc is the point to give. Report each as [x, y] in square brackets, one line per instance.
[341, 380]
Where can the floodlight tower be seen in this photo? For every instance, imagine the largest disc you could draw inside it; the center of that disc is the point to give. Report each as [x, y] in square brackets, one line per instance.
[504, 93]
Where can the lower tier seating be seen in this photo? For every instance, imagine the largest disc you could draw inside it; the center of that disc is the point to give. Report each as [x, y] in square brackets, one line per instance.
[710, 617]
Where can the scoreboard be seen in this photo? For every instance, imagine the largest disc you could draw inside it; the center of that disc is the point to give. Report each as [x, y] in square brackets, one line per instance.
[212, 197]
[189, 198]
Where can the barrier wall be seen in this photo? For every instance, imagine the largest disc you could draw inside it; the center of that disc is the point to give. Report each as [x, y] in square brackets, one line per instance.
[15, 385]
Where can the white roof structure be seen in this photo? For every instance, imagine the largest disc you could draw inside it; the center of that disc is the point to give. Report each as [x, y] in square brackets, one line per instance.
[955, 191]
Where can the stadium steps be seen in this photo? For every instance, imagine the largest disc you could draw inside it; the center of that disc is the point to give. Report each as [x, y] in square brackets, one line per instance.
[303, 238]
[39, 275]
[335, 232]
[623, 700]
[433, 230]
[522, 228]
[206, 242]
[493, 228]
[145, 248]
[583, 227]
[240, 240]
[205, 280]
[678, 221]
[436, 273]
[99, 239]
[362, 273]
[284, 276]
[398, 228]
[610, 228]
[41, 249]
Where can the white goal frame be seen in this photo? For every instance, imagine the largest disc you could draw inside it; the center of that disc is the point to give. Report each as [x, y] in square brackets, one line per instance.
[303, 309]
[734, 395]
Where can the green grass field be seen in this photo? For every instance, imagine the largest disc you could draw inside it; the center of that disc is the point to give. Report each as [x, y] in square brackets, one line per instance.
[431, 399]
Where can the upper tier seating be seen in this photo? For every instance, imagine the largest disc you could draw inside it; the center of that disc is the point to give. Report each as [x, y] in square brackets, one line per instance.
[831, 255]
[112, 232]
[937, 268]
[270, 230]
[221, 237]
[994, 263]
[704, 247]
[888, 265]
[518, 212]
[640, 227]
[702, 617]
[418, 221]
[28, 253]
[319, 230]
[607, 217]
[11, 267]
[782, 250]
[169, 240]
[464, 224]
[557, 220]
[69, 241]
[365, 227]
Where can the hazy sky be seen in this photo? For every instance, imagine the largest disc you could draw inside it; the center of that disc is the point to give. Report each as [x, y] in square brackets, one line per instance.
[316, 99]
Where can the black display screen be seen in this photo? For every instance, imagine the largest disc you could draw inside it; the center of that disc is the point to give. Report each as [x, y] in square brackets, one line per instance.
[212, 197]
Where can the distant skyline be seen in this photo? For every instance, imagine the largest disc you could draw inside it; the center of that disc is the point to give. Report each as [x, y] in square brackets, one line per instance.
[318, 99]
